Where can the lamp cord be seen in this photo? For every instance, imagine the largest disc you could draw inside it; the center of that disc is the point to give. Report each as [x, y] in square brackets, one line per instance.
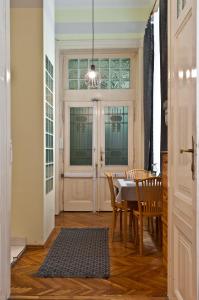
[93, 31]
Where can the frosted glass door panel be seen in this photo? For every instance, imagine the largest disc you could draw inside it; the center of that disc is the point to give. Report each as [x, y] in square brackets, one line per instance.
[81, 132]
[116, 135]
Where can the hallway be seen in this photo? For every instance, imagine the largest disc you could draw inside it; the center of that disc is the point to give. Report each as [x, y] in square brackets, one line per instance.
[131, 275]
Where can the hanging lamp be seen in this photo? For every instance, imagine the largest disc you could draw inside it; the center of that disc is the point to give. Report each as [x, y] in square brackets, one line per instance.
[92, 78]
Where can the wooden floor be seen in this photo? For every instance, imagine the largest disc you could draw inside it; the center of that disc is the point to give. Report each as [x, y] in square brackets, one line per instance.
[132, 277]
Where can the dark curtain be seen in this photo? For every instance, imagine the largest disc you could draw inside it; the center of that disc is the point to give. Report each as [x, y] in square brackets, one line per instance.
[148, 94]
[164, 70]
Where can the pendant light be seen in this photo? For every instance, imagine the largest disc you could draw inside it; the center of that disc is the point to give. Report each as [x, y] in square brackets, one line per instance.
[92, 78]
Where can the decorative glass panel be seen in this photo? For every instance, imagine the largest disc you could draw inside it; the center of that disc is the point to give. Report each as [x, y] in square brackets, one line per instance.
[125, 63]
[104, 74]
[83, 73]
[116, 135]
[83, 85]
[115, 84]
[95, 62]
[115, 73]
[83, 64]
[73, 74]
[81, 131]
[73, 84]
[104, 63]
[125, 75]
[115, 63]
[73, 64]
[104, 84]
[125, 84]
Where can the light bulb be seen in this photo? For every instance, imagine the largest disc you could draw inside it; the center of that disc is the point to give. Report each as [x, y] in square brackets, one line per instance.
[92, 78]
[91, 74]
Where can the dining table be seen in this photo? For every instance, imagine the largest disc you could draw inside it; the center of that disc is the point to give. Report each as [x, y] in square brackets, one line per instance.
[126, 189]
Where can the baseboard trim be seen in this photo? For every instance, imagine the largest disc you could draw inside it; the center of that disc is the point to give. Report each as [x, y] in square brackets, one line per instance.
[18, 241]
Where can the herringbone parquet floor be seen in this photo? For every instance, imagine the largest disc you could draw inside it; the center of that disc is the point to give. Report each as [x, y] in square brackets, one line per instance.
[132, 277]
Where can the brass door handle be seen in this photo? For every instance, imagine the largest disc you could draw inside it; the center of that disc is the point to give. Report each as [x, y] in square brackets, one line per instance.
[186, 151]
[193, 157]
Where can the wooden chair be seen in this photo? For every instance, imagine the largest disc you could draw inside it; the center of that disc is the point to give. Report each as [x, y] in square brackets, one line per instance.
[137, 174]
[118, 208]
[149, 195]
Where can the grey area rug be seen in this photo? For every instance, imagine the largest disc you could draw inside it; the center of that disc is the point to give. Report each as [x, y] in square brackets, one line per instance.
[78, 252]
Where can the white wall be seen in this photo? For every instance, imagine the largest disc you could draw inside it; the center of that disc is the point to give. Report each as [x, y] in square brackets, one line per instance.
[49, 50]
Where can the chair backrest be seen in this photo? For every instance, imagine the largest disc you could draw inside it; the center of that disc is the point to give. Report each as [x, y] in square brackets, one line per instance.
[111, 187]
[149, 195]
[137, 174]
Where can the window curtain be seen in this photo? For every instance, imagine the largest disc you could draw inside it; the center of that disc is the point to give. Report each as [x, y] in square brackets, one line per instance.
[164, 71]
[148, 94]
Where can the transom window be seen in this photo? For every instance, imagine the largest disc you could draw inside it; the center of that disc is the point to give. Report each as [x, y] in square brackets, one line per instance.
[115, 73]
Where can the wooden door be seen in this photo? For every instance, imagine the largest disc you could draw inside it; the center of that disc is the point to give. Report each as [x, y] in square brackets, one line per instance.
[182, 151]
[98, 139]
[80, 152]
[115, 140]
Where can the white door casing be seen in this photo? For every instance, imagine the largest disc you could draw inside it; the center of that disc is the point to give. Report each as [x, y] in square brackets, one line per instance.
[182, 127]
[5, 150]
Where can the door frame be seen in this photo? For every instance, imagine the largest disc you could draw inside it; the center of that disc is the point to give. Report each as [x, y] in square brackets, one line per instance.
[170, 213]
[5, 149]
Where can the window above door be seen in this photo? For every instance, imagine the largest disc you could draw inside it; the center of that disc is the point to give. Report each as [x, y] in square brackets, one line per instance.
[115, 73]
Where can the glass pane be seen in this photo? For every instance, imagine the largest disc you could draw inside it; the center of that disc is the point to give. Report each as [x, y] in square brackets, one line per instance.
[73, 64]
[125, 75]
[115, 84]
[73, 84]
[83, 86]
[125, 84]
[49, 171]
[81, 131]
[183, 3]
[104, 74]
[115, 63]
[49, 96]
[95, 62]
[104, 84]
[116, 135]
[49, 141]
[49, 111]
[179, 3]
[83, 64]
[49, 156]
[83, 73]
[49, 185]
[104, 63]
[115, 74]
[73, 74]
[125, 63]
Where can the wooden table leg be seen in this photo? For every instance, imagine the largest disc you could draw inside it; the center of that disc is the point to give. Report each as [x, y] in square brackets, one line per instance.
[125, 222]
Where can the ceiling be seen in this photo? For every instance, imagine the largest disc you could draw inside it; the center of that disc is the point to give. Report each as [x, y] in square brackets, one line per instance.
[117, 20]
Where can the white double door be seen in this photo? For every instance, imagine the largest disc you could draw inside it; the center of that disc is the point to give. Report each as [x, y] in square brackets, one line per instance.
[98, 138]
